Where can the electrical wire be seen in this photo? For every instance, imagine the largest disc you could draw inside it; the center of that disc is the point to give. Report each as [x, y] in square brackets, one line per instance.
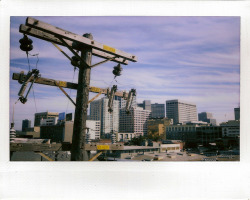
[28, 59]
[14, 110]
[37, 54]
[28, 54]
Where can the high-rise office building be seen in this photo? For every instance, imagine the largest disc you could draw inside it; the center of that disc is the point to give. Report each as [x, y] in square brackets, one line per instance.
[181, 111]
[109, 121]
[134, 122]
[140, 105]
[157, 110]
[207, 117]
[237, 113]
[44, 115]
[26, 124]
[147, 105]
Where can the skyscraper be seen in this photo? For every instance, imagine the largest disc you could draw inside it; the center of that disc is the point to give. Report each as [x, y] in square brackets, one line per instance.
[207, 117]
[135, 121]
[26, 124]
[157, 110]
[180, 111]
[147, 105]
[237, 113]
[109, 121]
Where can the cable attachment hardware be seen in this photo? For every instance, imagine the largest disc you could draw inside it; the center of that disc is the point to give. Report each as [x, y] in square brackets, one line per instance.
[111, 95]
[75, 61]
[117, 70]
[26, 44]
[131, 95]
[34, 74]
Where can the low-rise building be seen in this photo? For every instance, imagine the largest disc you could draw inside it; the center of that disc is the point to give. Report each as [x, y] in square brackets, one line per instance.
[63, 132]
[169, 145]
[157, 127]
[231, 128]
[208, 134]
[124, 137]
[186, 132]
[33, 132]
[44, 115]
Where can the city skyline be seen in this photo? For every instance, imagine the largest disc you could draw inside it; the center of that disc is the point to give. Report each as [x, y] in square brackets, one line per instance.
[194, 59]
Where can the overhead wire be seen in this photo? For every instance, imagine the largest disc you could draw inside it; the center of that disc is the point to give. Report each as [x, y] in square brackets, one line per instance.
[37, 54]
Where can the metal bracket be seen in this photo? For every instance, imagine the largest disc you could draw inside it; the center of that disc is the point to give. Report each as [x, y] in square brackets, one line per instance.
[111, 98]
[131, 95]
[25, 83]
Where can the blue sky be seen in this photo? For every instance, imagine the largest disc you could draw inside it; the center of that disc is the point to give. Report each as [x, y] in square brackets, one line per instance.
[196, 59]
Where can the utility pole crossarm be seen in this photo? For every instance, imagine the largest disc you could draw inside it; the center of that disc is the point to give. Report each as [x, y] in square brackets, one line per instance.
[51, 82]
[58, 32]
[51, 38]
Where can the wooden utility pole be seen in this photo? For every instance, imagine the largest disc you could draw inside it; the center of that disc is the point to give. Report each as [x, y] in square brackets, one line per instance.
[87, 46]
[78, 152]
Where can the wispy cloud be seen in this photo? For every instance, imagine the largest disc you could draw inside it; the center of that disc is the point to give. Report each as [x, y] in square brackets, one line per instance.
[191, 58]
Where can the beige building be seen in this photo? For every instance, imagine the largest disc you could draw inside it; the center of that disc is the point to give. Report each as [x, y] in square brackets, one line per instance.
[32, 132]
[158, 126]
[181, 111]
[123, 137]
[44, 115]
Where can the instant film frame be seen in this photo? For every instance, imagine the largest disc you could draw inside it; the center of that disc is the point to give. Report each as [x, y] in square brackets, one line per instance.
[125, 180]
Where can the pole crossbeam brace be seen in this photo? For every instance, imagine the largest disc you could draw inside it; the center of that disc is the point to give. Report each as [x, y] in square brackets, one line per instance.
[58, 32]
[66, 94]
[104, 61]
[75, 54]
[64, 84]
[96, 156]
[51, 38]
[61, 51]
[46, 157]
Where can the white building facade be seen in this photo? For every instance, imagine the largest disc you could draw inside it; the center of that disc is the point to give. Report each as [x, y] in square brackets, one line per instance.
[109, 122]
[135, 121]
[93, 129]
[49, 122]
[181, 111]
